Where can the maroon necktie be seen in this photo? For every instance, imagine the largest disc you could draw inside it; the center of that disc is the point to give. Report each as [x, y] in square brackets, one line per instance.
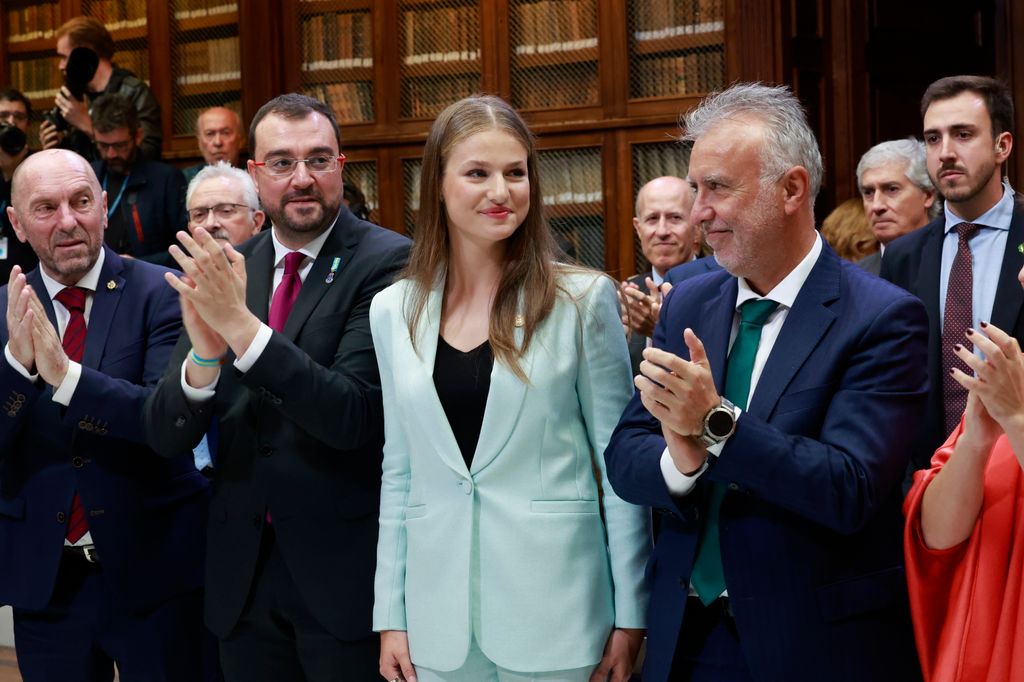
[73, 298]
[957, 318]
[287, 291]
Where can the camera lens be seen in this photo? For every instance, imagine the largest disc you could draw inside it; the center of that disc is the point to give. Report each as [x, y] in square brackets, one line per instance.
[12, 139]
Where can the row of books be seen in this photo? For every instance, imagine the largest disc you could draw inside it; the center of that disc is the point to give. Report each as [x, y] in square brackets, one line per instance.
[537, 89]
[352, 102]
[654, 160]
[32, 22]
[694, 73]
[342, 38]
[685, 30]
[36, 78]
[554, 25]
[441, 34]
[655, 15]
[185, 117]
[204, 61]
[117, 14]
[193, 9]
[571, 177]
[136, 61]
[422, 98]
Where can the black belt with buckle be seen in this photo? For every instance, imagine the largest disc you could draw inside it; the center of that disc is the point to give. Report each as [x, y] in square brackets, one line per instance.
[86, 552]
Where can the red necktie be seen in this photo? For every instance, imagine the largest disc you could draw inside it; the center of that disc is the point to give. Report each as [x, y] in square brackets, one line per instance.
[73, 298]
[958, 316]
[287, 291]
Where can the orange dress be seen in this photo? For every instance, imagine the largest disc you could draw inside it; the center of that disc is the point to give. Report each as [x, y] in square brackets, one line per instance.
[966, 600]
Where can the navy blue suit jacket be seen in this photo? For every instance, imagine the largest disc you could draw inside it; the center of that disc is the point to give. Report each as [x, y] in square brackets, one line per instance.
[914, 262]
[811, 529]
[146, 513]
[685, 271]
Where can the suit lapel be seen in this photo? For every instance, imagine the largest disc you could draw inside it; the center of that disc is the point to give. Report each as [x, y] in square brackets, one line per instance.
[104, 305]
[928, 275]
[434, 424]
[504, 403]
[715, 328]
[259, 269]
[805, 325]
[1006, 307]
[339, 245]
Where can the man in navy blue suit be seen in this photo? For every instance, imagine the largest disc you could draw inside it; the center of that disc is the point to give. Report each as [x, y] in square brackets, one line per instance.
[770, 427]
[101, 540]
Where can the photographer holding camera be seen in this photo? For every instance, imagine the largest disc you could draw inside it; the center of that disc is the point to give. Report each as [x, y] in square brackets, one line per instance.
[15, 113]
[69, 125]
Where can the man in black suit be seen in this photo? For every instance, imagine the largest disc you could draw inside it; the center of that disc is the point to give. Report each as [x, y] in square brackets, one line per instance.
[967, 260]
[297, 419]
[898, 195]
[667, 238]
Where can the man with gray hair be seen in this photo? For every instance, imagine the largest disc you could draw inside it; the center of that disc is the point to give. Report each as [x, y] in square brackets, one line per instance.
[223, 200]
[769, 426]
[898, 195]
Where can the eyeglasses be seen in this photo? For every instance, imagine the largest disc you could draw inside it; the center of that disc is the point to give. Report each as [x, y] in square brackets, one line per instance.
[282, 166]
[223, 211]
[18, 116]
[119, 147]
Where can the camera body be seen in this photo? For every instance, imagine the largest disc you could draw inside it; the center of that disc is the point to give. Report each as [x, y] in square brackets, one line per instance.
[12, 139]
[80, 69]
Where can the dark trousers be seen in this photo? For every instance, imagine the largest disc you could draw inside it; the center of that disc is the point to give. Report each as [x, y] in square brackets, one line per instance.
[83, 632]
[709, 648]
[277, 639]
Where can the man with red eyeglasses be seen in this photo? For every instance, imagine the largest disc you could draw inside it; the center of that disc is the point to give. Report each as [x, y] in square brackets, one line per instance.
[278, 368]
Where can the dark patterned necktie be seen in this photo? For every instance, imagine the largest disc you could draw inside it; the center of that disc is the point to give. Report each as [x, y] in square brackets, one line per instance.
[73, 298]
[957, 318]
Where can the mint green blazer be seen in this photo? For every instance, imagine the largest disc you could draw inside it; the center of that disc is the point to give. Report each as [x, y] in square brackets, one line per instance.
[554, 578]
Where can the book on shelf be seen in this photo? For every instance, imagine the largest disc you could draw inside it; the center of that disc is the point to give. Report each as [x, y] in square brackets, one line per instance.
[352, 102]
[32, 22]
[336, 41]
[571, 178]
[136, 61]
[657, 19]
[208, 61]
[695, 72]
[555, 26]
[540, 89]
[36, 78]
[118, 14]
[444, 34]
[427, 97]
[193, 9]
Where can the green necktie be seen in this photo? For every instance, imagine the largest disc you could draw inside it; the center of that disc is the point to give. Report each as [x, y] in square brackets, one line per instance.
[708, 578]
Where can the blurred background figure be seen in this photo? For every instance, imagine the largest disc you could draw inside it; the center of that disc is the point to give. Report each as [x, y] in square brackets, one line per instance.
[220, 138]
[847, 231]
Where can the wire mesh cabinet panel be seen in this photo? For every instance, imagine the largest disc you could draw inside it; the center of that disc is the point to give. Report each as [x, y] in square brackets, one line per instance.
[126, 21]
[677, 47]
[337, 58]
[554, 53]
[32, 65]
[206, 67]
[439, 46]
[574, 202]
[362, 175]
[411, 170]
[654, 160]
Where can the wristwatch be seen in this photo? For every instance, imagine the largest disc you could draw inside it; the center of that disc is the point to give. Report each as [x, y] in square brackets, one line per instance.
[719, 423]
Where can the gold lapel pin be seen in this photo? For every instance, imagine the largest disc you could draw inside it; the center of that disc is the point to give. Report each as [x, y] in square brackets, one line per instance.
[1020, 248]
[520, 321]
[111, 285]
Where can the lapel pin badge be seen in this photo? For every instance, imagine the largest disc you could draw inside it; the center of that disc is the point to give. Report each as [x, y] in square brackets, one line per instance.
[111, 285]
[520, 321]
[334, 270]
[1020, 248]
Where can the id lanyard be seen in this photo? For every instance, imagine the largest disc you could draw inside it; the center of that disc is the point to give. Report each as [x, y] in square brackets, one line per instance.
[113, 207]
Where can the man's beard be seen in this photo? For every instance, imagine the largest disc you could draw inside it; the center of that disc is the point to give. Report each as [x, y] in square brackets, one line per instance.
[311, 221]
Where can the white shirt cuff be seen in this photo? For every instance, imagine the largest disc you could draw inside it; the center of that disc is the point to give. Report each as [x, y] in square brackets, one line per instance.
[197, 395]
[17, 365]
[66, 390]
[678, 483]
[255, 349]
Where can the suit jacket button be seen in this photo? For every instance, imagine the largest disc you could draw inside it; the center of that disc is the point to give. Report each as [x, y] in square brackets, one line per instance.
[179, 422]
[734, 486]
[20, 397]
[61, 517]
[467, 487]
[12, 413]
[77, 462]
[266, 450]
[82, 424]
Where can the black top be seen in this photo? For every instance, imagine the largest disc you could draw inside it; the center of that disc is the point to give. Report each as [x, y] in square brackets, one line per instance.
[462, 381]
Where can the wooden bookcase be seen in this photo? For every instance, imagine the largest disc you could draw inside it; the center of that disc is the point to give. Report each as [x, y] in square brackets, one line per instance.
[601, 82]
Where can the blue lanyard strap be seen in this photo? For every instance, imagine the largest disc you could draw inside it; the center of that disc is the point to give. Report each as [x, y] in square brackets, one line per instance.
[113, 207]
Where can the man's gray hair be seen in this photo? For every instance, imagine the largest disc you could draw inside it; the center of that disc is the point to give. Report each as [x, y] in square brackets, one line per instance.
[225, 170]
[788, 140]
[909, 151]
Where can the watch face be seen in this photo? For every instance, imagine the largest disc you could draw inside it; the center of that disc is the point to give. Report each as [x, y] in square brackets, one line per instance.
[720, 423]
